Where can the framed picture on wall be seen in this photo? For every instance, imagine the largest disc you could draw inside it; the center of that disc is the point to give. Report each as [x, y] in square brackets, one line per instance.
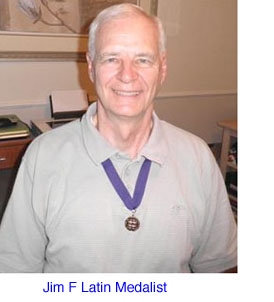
[51, 29]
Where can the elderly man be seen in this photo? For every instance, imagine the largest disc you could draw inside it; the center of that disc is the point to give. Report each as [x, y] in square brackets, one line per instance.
[119, 190]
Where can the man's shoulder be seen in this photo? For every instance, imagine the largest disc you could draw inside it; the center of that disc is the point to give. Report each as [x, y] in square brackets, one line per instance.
[181, 136]
[184, 145]
[55, 139]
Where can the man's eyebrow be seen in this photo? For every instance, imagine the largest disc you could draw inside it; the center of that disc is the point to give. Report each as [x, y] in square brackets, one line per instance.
[145, 54]
[107, 54]
[116, 54]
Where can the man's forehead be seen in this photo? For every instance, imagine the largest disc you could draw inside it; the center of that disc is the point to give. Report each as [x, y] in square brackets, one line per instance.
[127, 37]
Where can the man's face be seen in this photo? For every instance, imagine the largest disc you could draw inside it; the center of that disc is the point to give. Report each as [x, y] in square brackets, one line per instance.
[128, 69]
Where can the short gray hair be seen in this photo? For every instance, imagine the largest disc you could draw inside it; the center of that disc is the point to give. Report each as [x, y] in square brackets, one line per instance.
[121, 10]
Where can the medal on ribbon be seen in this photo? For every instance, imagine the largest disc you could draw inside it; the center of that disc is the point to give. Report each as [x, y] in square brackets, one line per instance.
[132, 223]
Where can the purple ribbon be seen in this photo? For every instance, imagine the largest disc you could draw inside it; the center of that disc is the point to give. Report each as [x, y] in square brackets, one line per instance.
[130, 202]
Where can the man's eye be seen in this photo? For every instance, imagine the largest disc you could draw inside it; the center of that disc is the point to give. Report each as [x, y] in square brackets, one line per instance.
[111, 60]
[144, 62]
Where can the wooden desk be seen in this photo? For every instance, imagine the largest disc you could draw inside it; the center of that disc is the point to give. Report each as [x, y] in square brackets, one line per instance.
[229, 130]
[11, 151]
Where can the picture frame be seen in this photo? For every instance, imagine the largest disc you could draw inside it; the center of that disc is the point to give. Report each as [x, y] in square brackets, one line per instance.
[29, 46]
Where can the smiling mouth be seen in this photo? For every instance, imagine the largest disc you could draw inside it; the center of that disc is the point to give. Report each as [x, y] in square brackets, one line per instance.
[126, 93]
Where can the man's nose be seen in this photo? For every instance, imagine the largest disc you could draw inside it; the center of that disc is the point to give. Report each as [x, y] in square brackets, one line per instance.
[127, 72]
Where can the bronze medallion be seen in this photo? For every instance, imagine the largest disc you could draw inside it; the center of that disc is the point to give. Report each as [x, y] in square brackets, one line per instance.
[132, 223]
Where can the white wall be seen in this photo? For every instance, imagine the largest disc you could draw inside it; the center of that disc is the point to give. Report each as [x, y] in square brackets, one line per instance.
[27, 82]
[202, 45]
[201, 84]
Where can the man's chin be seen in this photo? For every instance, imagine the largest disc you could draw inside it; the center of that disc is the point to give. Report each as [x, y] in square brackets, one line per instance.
[129, 113]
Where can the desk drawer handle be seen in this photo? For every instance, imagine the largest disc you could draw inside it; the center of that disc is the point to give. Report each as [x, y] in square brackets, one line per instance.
[2, 159]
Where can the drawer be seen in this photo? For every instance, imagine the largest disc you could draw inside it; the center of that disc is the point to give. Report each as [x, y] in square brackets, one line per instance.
[10, 156]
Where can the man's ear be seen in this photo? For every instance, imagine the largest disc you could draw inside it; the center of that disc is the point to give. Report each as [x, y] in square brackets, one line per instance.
[163, 71]
[90, 67]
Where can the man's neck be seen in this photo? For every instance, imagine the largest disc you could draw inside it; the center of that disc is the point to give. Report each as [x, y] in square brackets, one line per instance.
[127, 135]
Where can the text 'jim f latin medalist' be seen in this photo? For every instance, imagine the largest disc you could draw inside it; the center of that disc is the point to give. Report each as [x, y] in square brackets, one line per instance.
[100, 287]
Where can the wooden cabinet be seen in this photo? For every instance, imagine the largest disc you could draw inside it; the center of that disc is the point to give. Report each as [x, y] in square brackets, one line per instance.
[11, 152]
